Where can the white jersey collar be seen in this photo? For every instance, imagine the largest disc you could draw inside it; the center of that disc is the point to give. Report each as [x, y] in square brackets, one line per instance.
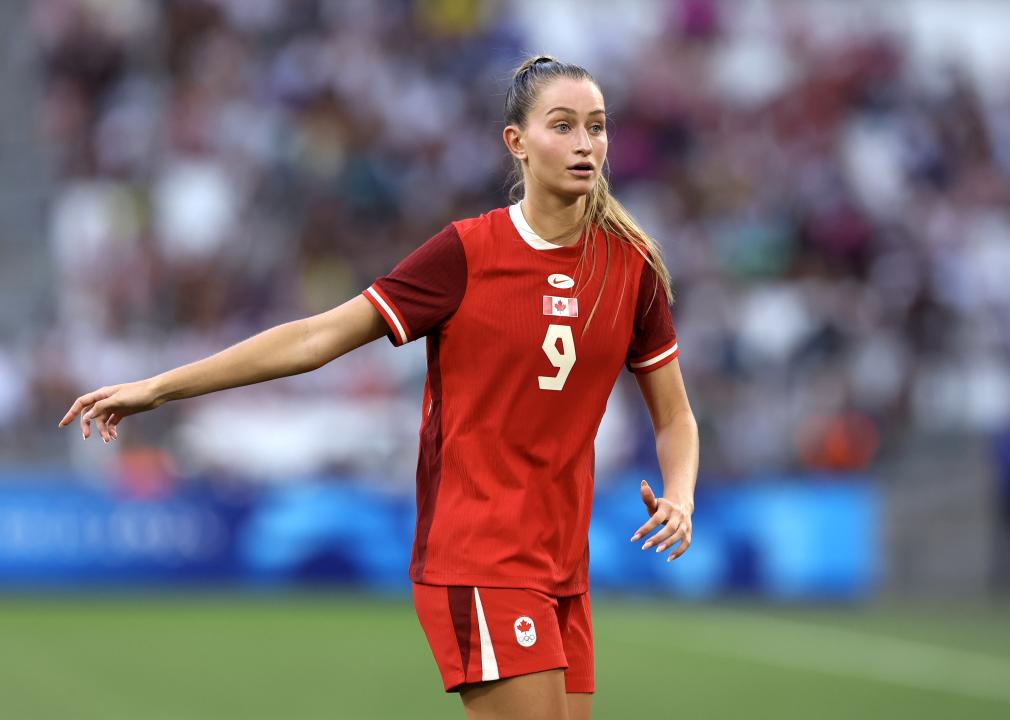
[526, 232]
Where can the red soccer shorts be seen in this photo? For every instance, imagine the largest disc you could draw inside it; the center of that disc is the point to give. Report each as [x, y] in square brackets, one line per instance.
[481, 634]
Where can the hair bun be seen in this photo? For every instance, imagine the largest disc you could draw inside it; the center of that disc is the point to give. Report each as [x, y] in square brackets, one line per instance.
[531, 62]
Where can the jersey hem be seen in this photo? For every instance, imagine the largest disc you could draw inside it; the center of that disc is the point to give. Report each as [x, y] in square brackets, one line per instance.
[497, 581]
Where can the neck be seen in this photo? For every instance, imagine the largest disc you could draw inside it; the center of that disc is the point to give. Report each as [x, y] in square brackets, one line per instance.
[552, 217]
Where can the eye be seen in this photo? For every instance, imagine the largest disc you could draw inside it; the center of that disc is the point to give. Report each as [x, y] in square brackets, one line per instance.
[597, 128]
[563, 127]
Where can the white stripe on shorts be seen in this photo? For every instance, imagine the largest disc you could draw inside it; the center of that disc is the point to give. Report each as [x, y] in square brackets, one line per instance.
[488, 663]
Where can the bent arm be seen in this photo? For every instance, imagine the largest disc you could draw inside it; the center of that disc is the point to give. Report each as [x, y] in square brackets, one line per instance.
[676, 431]
[288, 349]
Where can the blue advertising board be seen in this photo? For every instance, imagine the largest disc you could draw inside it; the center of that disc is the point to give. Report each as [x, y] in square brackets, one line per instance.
[798, 538]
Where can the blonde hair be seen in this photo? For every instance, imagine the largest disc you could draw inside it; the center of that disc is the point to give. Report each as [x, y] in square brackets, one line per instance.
[602, 210]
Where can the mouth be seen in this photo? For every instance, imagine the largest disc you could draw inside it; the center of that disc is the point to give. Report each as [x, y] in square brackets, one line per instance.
[582, 169]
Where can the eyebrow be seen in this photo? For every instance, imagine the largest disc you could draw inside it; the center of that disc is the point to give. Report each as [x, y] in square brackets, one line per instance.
[571, 111]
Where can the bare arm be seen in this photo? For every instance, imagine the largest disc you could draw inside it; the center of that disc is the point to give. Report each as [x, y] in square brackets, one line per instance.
[677, 449]
[287, 349]
[676, 431]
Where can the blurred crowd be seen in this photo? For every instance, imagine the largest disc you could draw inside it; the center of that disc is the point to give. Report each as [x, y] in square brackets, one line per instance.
[833, 208]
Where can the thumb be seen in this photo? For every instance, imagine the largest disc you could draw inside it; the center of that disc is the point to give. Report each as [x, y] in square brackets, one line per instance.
[648, 497]
[96, 410]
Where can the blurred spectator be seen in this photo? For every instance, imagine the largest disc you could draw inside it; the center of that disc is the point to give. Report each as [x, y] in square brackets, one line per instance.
[832, 199]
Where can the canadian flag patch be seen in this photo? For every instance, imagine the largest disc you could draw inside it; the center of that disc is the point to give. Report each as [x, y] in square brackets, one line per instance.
[561, 306]
[526, 631]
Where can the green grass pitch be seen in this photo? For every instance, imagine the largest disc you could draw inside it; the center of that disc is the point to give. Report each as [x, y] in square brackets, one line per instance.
[357, 656]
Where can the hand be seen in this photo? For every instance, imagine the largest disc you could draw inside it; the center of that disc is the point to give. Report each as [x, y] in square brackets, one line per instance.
[674, 516]
[108, 405]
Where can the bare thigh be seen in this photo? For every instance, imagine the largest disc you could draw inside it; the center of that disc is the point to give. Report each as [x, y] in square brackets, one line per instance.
[537, 696]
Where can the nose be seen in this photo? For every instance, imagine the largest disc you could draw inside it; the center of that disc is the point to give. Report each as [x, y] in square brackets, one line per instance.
[583, 146]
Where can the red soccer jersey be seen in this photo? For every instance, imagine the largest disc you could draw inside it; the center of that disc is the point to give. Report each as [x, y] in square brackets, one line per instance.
[515, 391]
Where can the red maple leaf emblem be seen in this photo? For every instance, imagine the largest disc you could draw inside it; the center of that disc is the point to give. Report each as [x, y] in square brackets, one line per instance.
[559, 306]
[524, 626]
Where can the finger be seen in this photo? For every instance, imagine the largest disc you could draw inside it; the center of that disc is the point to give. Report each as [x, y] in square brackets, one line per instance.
[103, 429]
[94, 413]
[111, 423]
[99, 409]
[71, 413]
[80, 404]
[663, 536]
[671, 537]
[98, 413]
[648, 497]
[684, 545]
[658, 518]
[85, 424]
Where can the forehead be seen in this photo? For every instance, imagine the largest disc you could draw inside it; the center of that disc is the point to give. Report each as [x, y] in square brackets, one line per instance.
[580, 95]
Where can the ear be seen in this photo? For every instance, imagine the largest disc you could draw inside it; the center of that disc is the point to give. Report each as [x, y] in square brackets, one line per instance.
[514, 141]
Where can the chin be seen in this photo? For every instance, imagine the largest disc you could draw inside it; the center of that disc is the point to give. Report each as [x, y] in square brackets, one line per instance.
[577, 189]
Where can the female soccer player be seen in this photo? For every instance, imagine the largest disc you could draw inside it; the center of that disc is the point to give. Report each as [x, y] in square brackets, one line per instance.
[529, 313]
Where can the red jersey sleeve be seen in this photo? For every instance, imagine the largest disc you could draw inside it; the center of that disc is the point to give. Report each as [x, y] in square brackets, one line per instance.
[423, 290]
[654, 341]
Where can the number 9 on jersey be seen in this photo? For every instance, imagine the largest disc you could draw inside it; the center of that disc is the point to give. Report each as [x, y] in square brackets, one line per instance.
[563, 359]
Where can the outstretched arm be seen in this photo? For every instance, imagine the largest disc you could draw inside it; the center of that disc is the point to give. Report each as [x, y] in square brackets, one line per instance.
[677, 450]
[287, 349]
